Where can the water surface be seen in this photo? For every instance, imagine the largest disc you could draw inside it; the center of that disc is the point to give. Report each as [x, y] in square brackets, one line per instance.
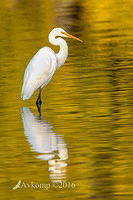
[81, 147]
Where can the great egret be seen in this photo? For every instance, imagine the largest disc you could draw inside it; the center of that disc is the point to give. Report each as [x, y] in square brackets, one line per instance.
[44, 63]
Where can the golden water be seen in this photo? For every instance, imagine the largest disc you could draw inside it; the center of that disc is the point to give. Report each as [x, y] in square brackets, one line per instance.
[84, 139]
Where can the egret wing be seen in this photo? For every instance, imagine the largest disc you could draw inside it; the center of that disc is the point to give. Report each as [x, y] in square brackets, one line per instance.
[39, 71]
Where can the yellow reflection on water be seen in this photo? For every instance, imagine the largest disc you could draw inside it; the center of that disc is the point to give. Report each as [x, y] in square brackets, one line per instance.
[89, 101]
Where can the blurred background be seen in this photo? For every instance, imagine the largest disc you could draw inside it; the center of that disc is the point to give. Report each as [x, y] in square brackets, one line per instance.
[85, 136]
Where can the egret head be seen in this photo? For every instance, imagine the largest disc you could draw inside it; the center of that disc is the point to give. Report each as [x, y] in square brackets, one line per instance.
[59, 32]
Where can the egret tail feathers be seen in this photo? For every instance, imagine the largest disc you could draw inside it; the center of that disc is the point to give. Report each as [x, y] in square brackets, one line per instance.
[27, 92]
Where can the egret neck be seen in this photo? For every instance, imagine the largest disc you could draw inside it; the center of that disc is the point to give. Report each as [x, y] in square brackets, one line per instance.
[63, 52]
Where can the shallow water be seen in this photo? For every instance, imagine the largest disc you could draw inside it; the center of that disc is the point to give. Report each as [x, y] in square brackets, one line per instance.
[81, 147]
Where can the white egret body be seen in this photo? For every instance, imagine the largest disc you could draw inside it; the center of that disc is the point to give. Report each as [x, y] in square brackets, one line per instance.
[43, 65]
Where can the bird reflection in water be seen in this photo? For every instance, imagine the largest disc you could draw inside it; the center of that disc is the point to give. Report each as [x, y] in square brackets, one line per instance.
[43, 140]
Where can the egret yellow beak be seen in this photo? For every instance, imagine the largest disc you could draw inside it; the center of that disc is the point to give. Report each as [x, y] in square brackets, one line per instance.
[71, 36]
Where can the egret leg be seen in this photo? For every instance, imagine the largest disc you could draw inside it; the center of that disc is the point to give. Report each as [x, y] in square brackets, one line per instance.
[39, 110]
[39, 102]
[39, 98]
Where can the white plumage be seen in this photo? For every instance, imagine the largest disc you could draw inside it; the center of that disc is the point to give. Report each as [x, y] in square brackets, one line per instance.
[43, 65]
[36, 77]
